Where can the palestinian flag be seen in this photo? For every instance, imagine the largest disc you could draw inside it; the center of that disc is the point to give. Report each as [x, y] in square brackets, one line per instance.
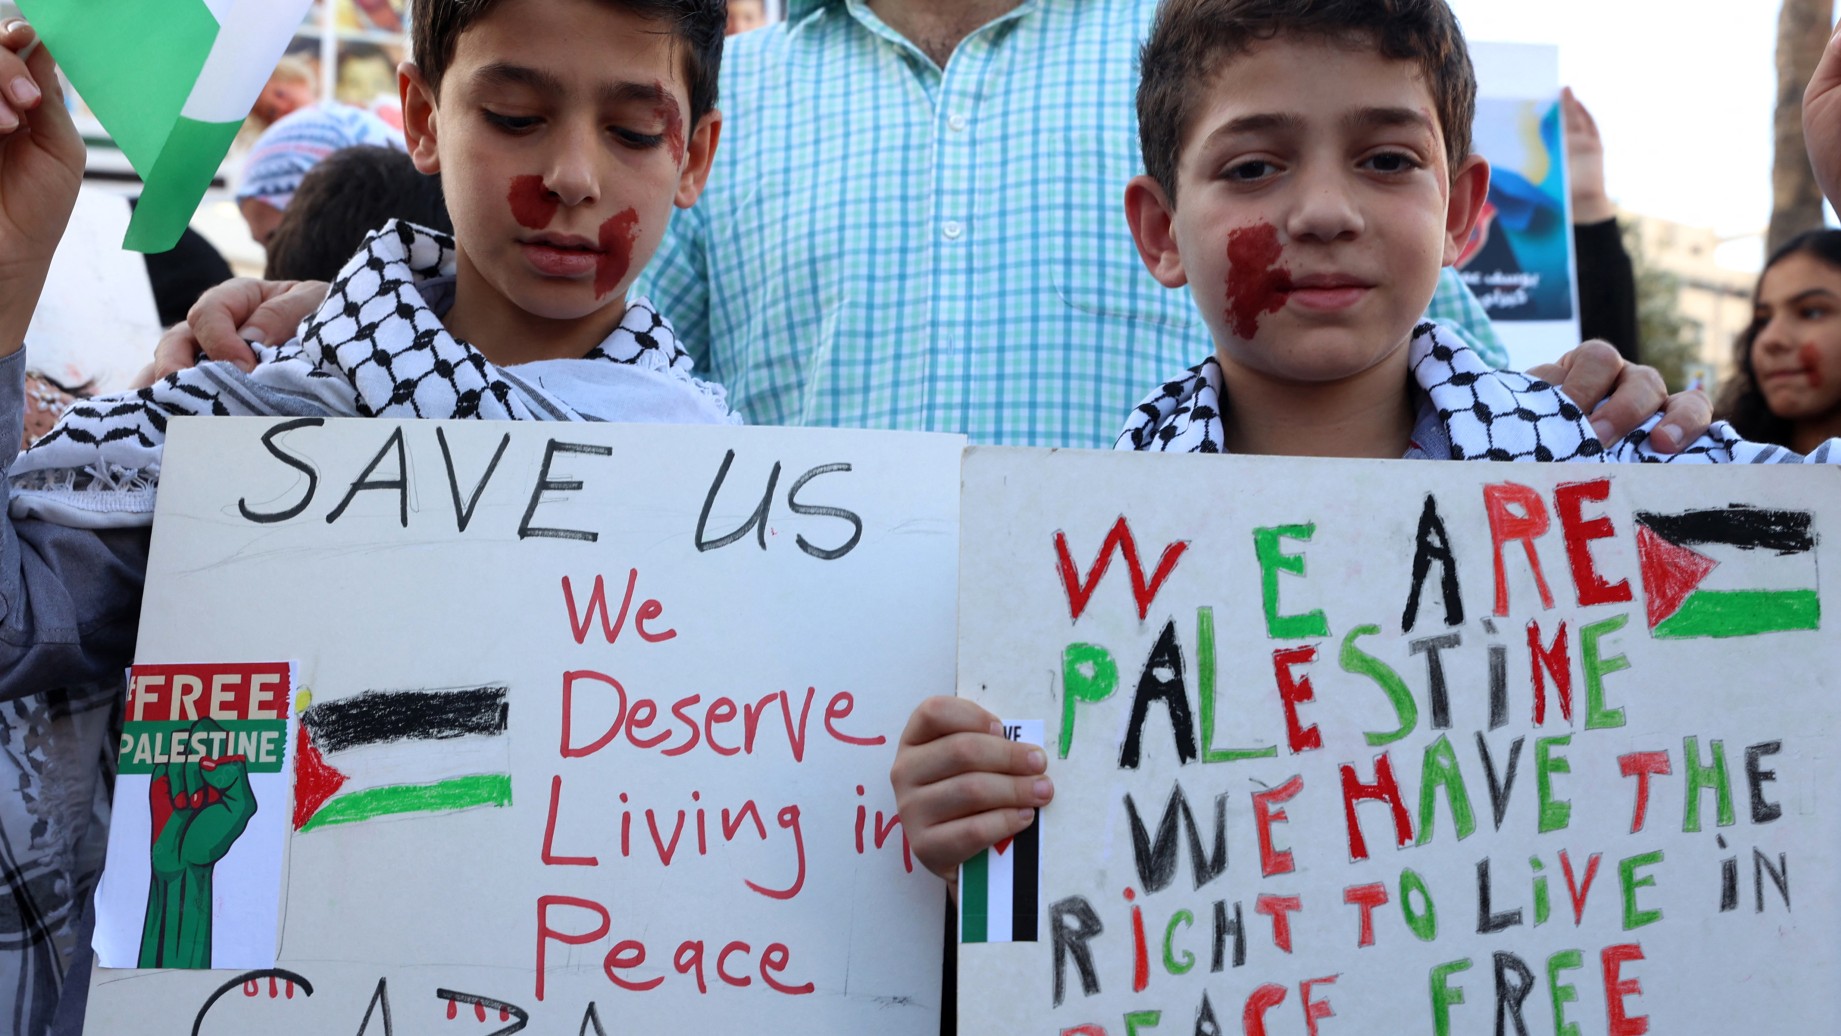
[171, 80]
[1728, 572]
[999, 888]
[384, 753]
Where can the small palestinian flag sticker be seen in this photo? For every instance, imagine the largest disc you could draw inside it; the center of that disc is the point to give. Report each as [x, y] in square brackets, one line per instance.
[999, 888]
[1728, 572]
[389, 753]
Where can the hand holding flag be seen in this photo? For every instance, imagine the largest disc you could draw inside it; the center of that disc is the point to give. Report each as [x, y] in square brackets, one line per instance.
[41, 167]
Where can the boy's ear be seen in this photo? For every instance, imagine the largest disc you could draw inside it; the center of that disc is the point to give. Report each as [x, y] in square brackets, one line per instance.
[418, 117]
[699, 154]
[1152, 221]
[1469, 190]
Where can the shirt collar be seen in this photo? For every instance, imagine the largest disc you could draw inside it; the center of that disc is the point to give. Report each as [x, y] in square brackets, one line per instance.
[797, 10]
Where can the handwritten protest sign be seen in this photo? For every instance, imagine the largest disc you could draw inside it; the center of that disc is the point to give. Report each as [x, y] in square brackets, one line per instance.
[1395, 747]
[588, 730]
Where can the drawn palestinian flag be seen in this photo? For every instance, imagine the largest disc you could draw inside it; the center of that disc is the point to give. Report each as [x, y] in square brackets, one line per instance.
[1728, 572]
[999, 888]
[385, 753]
[171, 80]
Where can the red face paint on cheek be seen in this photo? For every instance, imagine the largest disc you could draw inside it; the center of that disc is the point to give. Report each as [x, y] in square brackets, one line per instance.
[1811, 359]
[1255, 283]
[531, 204]
[618, 233]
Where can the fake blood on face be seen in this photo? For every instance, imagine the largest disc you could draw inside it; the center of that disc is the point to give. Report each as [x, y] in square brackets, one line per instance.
[1811, 359]
[618, 232]
[1255, 283]
[667, 111]
[531, 203]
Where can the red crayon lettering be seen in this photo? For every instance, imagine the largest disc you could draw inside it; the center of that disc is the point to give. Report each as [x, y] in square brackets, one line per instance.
[1641, 765]
[545, 932]
[1506, 526]
[1118, 538]
[1384, 789]
[1569, 500]
[1141, 963]
[1263, 999]
[1294, 691]
[1578, 891]
[1555, 660]
[1314, 1010]
[1279, 908]
[1617, 989]
[1366, 898]
[1273, 861]
[549, 833]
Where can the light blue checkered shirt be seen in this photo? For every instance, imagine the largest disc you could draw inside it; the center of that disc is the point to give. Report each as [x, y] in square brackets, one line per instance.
[888, 245]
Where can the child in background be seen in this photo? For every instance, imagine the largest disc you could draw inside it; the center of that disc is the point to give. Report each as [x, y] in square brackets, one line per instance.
[566, 131]
[1310, 173]
[288, 150]
[341, 200]
[1786, 381]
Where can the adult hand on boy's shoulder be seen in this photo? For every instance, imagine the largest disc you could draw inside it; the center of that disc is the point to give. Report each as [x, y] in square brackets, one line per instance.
[1822, 119]
[1620, 396]
[960, 785]
[41, 168]
[227, 318]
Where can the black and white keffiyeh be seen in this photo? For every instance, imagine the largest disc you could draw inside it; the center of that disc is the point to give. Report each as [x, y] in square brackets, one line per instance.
[1468, 411]
[375, 348]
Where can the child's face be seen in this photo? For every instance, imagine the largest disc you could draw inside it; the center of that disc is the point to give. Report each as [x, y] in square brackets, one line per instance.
[1796, 354]
[561, 136]
[1314, 210]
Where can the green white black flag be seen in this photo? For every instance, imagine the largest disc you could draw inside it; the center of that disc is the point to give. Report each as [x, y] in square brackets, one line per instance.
[171, 80]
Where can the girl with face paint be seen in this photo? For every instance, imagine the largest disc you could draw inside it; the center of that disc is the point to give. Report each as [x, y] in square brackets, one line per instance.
[1786, 386]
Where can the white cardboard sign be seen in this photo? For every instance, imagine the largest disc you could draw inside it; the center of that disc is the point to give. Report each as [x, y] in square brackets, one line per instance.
[590, 725]
[1397, 747]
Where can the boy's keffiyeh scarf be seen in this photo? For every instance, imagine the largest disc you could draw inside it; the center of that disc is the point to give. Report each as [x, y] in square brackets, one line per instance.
[1468, 411]
[1482, 414]
[375, 348]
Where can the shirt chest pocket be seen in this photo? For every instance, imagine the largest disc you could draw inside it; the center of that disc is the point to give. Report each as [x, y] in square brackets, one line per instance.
[1096, 267]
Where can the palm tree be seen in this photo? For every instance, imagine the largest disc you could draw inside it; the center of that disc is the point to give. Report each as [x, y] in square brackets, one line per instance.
[1796, 202]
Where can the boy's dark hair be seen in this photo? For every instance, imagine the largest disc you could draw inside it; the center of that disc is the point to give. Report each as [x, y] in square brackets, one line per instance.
[1190, 38]
[696, 25]
[350, 193]
[1741, 401]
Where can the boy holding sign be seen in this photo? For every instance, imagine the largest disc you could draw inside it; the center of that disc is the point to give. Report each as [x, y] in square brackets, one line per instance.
[1310, 173]
[565, 131]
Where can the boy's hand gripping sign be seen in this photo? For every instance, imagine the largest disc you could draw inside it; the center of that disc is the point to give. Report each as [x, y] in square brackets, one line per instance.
[447, 728]
[1391, 747]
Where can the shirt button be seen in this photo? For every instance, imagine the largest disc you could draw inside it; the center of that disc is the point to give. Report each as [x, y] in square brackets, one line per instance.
[956, 123]
[952, 230]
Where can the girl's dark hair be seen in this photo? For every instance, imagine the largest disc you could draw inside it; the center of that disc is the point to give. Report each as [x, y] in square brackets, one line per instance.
[1740, 401]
